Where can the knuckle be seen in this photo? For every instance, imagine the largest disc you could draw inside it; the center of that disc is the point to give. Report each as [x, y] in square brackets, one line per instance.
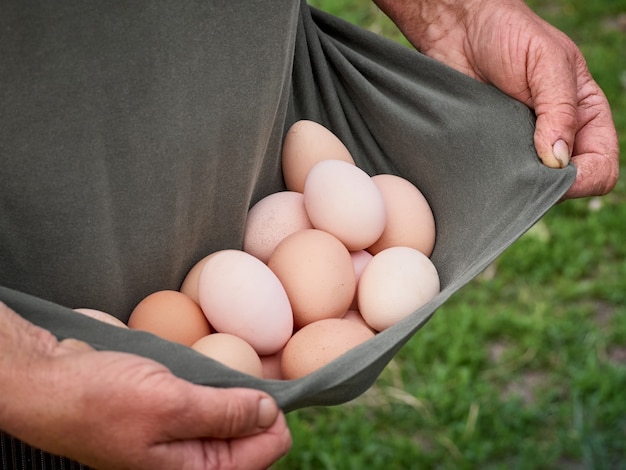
[238, 417]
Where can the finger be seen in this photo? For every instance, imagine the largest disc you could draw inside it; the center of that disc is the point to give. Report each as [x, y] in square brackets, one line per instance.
[262, 450]
[596, 149]
[552, 81]
[590, 179]
[223, 413]
[258, 451]
[597, 171]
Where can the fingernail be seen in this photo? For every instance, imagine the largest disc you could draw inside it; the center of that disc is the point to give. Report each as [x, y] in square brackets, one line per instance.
[268, 412]
[560, 150]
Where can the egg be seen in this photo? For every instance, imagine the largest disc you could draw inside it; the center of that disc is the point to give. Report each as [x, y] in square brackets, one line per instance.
[316, 271]
[189, 287]
[410, 221]
[240, 295]
[305, 144]
[355, 315]
[342, 199]
[272, 219]
[271, 366]
[320, 343]
[231, 351]
[396, 282]
[172, 316]
[102, 316]
[359, 261]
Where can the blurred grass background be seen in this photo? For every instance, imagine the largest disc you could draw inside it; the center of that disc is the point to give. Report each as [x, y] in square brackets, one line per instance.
[524, 368]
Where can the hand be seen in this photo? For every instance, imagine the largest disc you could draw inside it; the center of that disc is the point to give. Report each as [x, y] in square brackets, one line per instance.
[115, 410]
[502, 42]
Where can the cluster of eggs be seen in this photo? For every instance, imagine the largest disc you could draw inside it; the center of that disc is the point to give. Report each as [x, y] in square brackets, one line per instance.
[325, 265]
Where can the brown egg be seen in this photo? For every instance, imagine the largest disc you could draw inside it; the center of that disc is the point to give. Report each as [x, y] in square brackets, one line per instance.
[410, 221]
[319, 343]
[316, 270]
[172, 316]
[102, 316]
[189, 286]
[271, 219]
[231, 351]
[306, 144]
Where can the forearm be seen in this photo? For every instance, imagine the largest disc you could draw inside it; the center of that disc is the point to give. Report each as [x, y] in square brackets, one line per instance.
[23, 352]
[425, 21]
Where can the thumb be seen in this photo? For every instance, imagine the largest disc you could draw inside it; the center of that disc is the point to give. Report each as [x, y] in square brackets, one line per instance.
[227, 413]
[553, 86]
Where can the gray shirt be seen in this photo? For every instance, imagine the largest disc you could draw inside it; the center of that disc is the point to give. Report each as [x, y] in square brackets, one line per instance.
[134, 137]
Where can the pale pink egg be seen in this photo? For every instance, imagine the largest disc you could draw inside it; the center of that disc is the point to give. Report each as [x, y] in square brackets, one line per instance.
[342, 199]
[360, 259]
[240, 295]
[271, 366]
[355, 315]
[102, 316]
[272, 219]
[395, 283]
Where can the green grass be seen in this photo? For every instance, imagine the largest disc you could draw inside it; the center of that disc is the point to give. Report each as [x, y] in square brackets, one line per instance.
[524, 368]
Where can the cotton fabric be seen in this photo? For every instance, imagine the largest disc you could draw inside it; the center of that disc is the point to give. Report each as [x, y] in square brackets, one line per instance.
[136, 136]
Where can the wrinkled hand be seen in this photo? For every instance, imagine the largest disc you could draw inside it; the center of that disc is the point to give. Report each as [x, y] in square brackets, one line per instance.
[113, 410]
[504, 43]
